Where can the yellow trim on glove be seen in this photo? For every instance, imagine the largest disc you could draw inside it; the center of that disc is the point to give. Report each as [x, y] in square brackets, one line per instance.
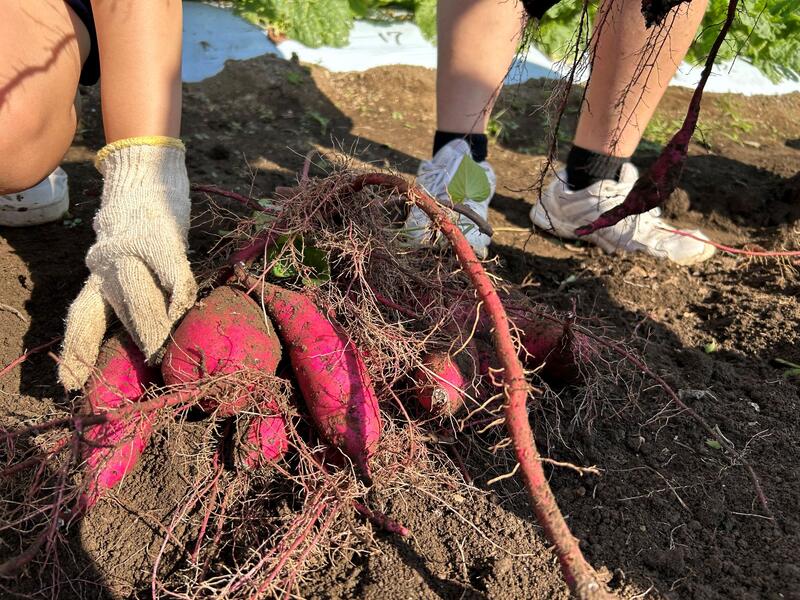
[145, 140]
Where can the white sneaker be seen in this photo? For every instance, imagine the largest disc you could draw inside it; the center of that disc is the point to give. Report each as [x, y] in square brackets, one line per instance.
[45, 202]
[562, 210]
[434, 176]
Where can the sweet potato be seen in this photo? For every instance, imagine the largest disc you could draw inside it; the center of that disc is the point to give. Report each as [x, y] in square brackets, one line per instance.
[264, 439]
[444, 383]
[114, 448]
[555, 347]
[331, 375]
[659, 181]
[547, 344]
[224, 333]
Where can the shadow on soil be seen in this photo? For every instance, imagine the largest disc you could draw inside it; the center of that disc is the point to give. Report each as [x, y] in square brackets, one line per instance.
[669, 511]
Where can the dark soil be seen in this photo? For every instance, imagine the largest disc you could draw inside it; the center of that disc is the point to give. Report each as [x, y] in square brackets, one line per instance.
[670, 517]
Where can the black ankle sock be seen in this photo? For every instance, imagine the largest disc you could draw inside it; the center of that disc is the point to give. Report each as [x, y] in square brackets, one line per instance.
[585, 167]
[478, 143]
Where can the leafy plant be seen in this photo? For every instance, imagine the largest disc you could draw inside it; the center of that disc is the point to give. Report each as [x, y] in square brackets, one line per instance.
[328, 22]
[499, 128]
[318, 23]
[312, 261]
[766, 32]
[792, 371]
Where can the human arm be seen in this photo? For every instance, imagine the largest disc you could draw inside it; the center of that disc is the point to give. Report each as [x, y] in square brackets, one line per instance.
[138, 265]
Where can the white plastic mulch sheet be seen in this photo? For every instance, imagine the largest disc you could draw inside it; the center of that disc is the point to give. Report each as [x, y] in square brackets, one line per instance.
[213, 35]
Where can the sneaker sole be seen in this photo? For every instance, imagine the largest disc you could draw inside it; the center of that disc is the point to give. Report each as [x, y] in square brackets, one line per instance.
[46, 202]
[554, 226]
[11, 216]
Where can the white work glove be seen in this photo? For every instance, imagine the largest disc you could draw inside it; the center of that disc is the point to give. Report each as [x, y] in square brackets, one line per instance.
[138, 264]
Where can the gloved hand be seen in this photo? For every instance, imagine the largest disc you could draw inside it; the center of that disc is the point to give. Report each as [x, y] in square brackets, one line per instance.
[138, 264]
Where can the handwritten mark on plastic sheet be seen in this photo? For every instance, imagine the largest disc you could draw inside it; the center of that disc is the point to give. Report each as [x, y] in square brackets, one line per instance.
[389, 35]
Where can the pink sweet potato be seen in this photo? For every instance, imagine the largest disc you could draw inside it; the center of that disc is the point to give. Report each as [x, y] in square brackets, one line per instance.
[264, 439]
[556, 348]
[224, 333]
[445, 381]
[114, 448]
[553, 346]
[331, 374]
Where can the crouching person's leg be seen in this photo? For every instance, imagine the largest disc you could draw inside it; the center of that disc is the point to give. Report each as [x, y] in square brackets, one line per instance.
[43, 46]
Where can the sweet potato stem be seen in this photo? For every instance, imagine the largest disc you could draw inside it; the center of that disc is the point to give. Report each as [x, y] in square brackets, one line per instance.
[18, 361]
[578, 573]
[81, 422]
[382, 521]
[737, 251]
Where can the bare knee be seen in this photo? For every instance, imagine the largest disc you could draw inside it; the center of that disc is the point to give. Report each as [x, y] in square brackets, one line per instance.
[30, 149]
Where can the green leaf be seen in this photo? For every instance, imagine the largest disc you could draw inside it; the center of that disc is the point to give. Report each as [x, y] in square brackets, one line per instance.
[470, 182]
[285, 267]
[262, 218]
[317, 23]
[765, 32]
[282, 267]
[710, 347]
[425, 18]
[714, 444]
[317, 261]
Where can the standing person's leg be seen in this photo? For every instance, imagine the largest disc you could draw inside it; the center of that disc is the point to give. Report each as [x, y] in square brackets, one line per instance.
[631, 69]
[476, 42]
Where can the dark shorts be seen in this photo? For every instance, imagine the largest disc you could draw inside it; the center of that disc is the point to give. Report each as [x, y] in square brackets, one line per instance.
[537, 8]
[91, 68]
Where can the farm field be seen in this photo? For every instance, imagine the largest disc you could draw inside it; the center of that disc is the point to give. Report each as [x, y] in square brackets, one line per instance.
[669, 517]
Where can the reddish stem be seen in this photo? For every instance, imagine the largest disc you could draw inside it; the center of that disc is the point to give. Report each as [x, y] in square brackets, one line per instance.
[578, 573]
[302, 558]
[211, 506]
[721, 440]
[32, 460]
[731, 250]
[18, 361]
[382, 521]
[290, 550]
[80, 422]
[389, 303]
[319, 503]
[249, 202]
[13, 566]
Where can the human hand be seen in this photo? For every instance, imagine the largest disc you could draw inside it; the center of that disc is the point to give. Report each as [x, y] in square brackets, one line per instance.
[138, 264]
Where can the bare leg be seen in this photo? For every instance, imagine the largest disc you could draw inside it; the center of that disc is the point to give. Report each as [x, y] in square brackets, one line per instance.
[477, 40]
[42, 47]
[631, 69]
